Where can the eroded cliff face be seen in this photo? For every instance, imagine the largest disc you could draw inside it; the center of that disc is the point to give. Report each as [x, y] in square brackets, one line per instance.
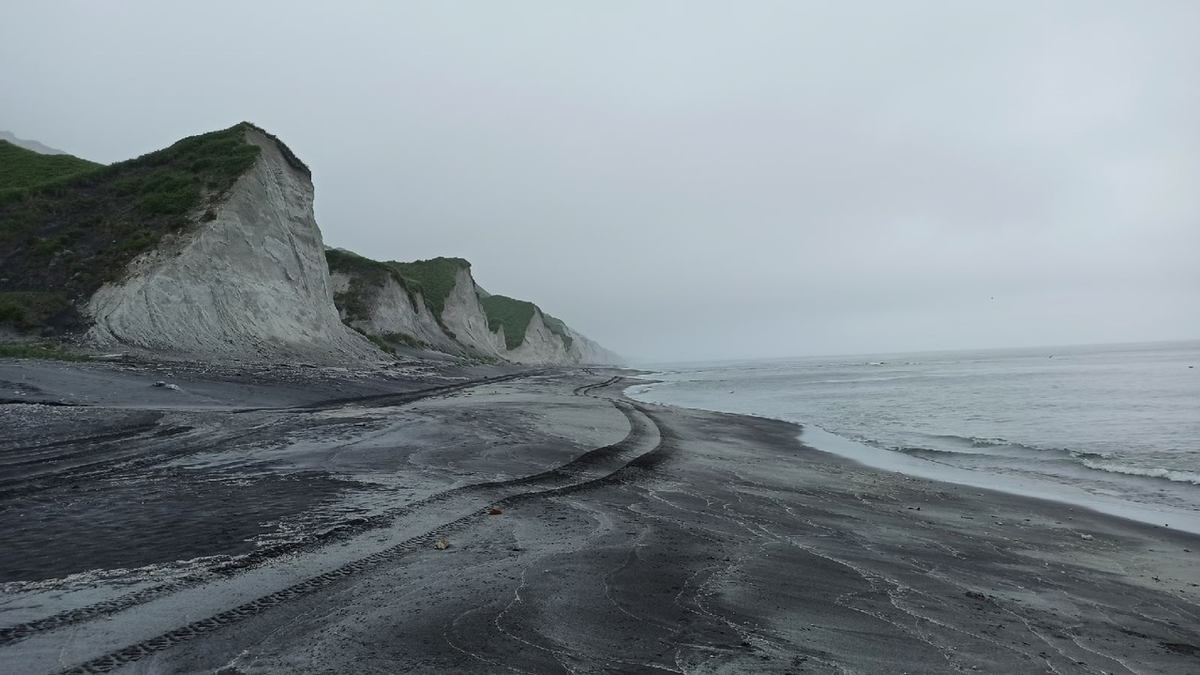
[540, 345]
[465, 317]
[464, 327]
[585, 350]
[250, 283]
[390, 309]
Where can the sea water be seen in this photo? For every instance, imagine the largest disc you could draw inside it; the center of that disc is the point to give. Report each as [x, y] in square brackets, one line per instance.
[1113, 427]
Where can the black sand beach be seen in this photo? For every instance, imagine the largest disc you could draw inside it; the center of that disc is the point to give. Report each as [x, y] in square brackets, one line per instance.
[309, 520]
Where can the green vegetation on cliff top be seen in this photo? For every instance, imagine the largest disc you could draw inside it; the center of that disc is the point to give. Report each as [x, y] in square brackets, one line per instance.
[509, 314]
[353, 302]
[514, 316]
[21, 168]
[71, 232]
[559, 328]
[433, 279]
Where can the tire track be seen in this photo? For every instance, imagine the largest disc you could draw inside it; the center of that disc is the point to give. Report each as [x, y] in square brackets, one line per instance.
[398, 398]
[630, 470]
[22, 401]
[552, 481]
[17, 454]
[148, 432]
[587, 389]
[123, 446]
[155, 447]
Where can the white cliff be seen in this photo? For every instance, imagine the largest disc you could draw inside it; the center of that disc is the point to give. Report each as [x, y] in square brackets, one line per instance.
[391, 309]
[466, 319]
[540, 345]
[250, 283]
[383, 305]
[585, 350]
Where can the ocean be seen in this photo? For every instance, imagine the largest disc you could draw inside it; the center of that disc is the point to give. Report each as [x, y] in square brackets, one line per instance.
[1113, 427]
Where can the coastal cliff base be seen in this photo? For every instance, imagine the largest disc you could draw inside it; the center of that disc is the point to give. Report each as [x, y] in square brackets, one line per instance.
[534, 521]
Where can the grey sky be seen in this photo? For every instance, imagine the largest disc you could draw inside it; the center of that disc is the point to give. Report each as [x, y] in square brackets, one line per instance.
[682, 180]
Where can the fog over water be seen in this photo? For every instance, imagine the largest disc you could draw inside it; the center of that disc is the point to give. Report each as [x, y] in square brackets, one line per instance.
[690, 180]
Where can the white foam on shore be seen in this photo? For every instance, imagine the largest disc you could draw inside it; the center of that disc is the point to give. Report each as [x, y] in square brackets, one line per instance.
[1153, 514]
[1160, 515]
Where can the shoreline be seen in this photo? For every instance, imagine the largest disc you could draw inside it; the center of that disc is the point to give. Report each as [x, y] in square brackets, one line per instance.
[1155, 515]
[1028, 485]
[581, 530]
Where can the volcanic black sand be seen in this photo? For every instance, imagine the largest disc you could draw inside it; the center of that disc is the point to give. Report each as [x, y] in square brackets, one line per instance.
[310, 520]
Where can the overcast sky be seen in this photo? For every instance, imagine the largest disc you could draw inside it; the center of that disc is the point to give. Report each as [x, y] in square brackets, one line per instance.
[689, 180]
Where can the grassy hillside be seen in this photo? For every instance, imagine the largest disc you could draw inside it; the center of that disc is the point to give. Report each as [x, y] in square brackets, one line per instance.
[21, 168]
[68, 236]
[509, 314]
[363, 272]
[434, 279]
[559, 328]
[514, 316]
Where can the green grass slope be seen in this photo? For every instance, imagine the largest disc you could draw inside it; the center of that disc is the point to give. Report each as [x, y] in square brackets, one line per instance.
[509, 314]
[434, 279]
[559, 328]
[514, 316]
[363, 272]
[21, 168]
[62, 239]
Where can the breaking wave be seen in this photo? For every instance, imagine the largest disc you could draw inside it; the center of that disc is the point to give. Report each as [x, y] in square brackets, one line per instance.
[1175, 475]
[1000, 448]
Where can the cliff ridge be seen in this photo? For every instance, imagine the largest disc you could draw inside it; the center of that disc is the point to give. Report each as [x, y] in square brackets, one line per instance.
[209, 249]
[437, 304]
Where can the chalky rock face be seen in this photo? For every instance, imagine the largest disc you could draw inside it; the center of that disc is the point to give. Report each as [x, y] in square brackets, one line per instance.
[392, 309]
[465, 317]
[540, 345]
[584, 350]
[250, 283]
[464, 329]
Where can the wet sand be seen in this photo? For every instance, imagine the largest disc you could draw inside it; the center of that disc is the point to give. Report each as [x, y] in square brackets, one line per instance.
[308, 521]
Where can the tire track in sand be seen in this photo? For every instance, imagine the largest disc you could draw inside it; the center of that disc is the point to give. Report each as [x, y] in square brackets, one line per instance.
[574, 476]
[641, 422]
[129, 460]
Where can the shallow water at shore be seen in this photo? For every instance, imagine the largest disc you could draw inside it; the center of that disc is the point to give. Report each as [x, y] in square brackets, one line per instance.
[1115, 425]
